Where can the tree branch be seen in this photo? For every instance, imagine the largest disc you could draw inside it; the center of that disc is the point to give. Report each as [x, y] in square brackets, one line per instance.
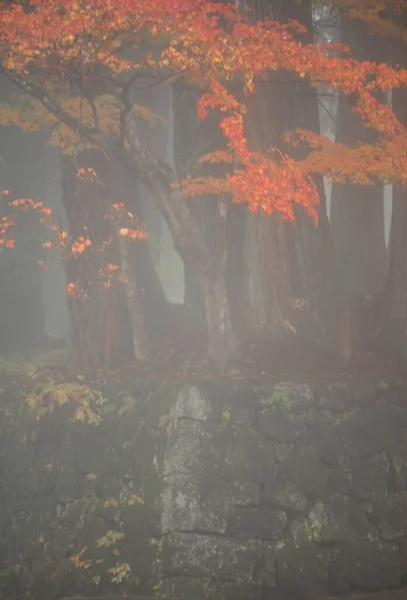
[156, 175]
[89, 133]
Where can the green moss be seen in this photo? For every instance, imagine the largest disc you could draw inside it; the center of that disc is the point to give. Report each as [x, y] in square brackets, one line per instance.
[312, 529]
[281, 399]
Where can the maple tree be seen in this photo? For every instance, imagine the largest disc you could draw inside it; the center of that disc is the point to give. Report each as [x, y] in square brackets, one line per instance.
[66, 54]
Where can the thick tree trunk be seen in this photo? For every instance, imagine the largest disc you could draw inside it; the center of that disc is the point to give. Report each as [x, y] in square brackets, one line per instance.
[146, 298]
[357, 218]
[99, 313]
[190, 142]
[289, 268]
[396, 296]
[206, 297]
[89, 310]
[221, 340]
[267, 284]
[266, 270]
[397, 280]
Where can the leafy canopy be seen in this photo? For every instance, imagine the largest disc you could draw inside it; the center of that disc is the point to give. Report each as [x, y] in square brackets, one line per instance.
[49, 42]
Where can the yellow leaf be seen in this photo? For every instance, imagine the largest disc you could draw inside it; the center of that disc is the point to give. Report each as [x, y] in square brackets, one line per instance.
[111, 502]
[134, 499]
[60, 397]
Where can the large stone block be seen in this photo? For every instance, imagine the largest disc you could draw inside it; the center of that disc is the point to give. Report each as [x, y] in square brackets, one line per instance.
[239, 408]
[262, 523]
[325, 440]
[142, 520]
[188, 588]
[245, 493]
[403, 559]
[306, 471]
[398, 460]
[339, 480]
[363, 565]
[239, 454]
[143, 557]
[185, 449]
[369, 477]
[334, 397]
[195, 555]
[284, 495]
[390, 515]
[278, 423]
[190, 504]
[337, 518]
[303, 570]
[96, 455]
[370, 431]
[191, 402]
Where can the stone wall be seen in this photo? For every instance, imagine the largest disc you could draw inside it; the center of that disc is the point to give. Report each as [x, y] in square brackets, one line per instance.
[222, 491]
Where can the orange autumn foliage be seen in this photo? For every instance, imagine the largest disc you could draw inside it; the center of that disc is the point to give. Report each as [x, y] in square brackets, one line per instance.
[214, 45]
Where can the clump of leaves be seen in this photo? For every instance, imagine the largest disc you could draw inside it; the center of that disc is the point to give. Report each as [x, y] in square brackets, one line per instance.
[120, 572]
[87, 402]
[110, 539]
[280, 398]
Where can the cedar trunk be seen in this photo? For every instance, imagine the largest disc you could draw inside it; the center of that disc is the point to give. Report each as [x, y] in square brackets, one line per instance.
[357, 218]
[206, 297]
[101, 313]
[92, 319]
[289, 268]
[397, 279]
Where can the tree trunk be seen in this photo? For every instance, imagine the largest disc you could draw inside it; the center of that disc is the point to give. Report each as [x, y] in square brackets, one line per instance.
[190, 142]
[88, 311]
[357, 217]
[289, 267]
[100, 309]
[267, 284]
[206, 297]
[221, 342]
[133, 295]
[151, 303]
[396, 296]
[397, 279]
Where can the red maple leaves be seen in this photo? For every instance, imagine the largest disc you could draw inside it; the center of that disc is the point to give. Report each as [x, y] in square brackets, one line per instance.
[214, 45]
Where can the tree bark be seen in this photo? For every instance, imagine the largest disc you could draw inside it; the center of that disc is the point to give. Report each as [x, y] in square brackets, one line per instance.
[133, 295]
[357, 218]
[99, 312]
[396, 291]
[206, 298]
[88, 311]
[289, 268]
[151, 302]
[397, 279]
[190, 142]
